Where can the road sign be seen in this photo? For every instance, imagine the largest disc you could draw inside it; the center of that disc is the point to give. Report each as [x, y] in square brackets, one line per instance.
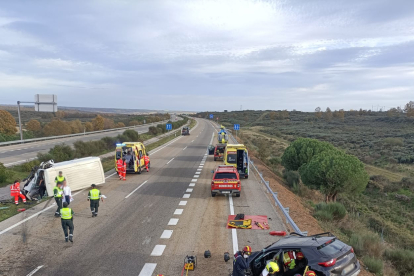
[169, 126]
[46, 102]
[236, 127]
[211, 116]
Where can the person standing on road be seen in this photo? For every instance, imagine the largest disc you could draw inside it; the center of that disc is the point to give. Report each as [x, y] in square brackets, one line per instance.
[120, 167]
[67, 193]
[60, 179]
[241, 264]
[66, 215]
[58, 194]
[124, 168]
[146, 161]
[16, 193]
[94, 196]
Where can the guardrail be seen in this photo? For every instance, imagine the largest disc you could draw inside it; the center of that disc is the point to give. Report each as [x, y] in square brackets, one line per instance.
[74, 135]
[285, 210]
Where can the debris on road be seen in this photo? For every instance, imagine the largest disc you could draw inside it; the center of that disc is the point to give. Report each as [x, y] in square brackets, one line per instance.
[21, 209]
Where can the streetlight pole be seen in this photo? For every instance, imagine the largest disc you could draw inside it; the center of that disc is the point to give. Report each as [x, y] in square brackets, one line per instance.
[20, 121]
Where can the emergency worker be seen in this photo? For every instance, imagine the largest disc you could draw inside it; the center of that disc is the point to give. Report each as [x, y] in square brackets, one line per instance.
[120, 167]
[271, 269]
[146, 161]
[310, 273]
[60, 179]
[241, 264]
[124, 168]
[58, 194]
[16, 193]
[94, 196]
[66, 217]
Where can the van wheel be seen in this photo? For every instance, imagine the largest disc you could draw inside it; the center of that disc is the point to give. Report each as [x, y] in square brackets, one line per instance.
[213, 194]
[246, 176]
[238, 195]
[215, 159]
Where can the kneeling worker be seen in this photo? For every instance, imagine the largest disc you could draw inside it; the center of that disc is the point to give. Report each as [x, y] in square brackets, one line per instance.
[94, 196]
[66, 215]
[271, 269]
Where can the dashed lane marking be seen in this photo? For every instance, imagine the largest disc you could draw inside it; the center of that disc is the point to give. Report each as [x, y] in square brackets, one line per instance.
[157, 251]
[166, 234]
[189, 190]
[178, 211]
[196, 176]
[198, 172]
[35, 270]
[148, 269]
[182, 203]
[192, 184]
[173, 221]
[186, 196]
[170, 160]
[194, 180]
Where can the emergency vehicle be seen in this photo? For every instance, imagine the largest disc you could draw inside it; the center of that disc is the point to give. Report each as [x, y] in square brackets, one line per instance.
[219, 152]
[226, 180]
[133, 152]
[237, 156]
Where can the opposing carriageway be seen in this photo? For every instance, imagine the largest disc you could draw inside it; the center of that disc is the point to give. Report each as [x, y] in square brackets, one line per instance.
[147, 225]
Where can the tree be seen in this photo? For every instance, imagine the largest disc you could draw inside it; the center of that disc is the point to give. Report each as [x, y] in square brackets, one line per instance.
[88, 126]
[108, 123]
[60, 114]
[341, 114]
[334, 172]
[76, 126]
[409, 109]
[134, 123]
[34, 125]
[120, 124]
[7, 123]
[318, 112]
[392, 112]
[98, 123]
[301, 152]
[57, 127]
[328, 114]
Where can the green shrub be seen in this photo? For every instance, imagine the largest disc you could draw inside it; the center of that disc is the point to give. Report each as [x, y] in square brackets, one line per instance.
[275, 160]
[131, 134]
[4, 173]
[58, 153]
[323, 215]
[153, 130]
[27, 167]
[89, 148]
[393, 141]
[336, 210]
[110, 142]
[367, 244]
[402, 260]
[374, 265]
[292, 177]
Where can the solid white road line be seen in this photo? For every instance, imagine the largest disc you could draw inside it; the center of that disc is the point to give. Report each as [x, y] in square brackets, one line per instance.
[170, 160]
[182, 203]
[35, 270]
[233, 231]
[189, 190]
[178, 211]
[148, 269]
[136, 189]
[186, 196]
[158, 250]
[166, 234]
[173, 221]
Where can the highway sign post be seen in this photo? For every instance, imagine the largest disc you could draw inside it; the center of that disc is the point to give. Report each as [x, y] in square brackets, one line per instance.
[43, 103]
[168, 126]
[211, 116]
[236, 128]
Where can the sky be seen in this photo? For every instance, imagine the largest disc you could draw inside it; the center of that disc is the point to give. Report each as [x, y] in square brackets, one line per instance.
[209, 55]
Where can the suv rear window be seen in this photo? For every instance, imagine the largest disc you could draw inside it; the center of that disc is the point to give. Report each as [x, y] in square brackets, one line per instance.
[331, 247]
[225, 176]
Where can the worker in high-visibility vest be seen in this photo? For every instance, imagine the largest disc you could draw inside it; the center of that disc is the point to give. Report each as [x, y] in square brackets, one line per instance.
[16, 193]
[146, 161]
[124, 169]
[120, 167]
[66, 215]
[60, 179]
[94, 196]
[58, 194]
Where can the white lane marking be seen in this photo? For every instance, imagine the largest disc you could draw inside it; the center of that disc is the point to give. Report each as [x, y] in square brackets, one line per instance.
[194, 180]
[189, 190]
[38, 213]
[192, 184]
[170, 160]
[157, 251]
[173, 221]
[136, 189]
[196, 176]
[148, 269]
[182, 203]
[198, 172]
[199, 169]
[166, 234]
[233, 231]
[178, 211]
[166, 145]
[186, 196]
[205, 154]
[184, 148]
[192, 141]
[200, 166]
[202, 163]
[35, 270]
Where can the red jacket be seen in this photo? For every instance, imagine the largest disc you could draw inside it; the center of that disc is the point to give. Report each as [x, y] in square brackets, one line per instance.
[119, 164]
[15, 189]
[146, 159]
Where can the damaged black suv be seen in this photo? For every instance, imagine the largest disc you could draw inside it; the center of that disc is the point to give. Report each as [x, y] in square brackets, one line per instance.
[323, 253]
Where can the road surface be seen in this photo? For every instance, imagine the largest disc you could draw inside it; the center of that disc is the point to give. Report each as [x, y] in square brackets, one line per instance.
[20, 153]
[147, 224]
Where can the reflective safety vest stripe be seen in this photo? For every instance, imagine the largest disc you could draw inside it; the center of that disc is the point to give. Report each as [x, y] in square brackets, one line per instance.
[58, 192]
[94, 194]
[66, 213]
[59, 179]
[119, 164]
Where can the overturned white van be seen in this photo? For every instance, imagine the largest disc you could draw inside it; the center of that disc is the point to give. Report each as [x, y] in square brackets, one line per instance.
[79, 173]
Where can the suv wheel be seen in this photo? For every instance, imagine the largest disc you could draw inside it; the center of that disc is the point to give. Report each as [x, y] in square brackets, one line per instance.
[213, 194]
[238, 195]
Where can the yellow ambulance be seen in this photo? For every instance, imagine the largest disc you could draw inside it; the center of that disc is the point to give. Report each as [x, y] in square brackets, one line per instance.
[237, 156]
[134, 153]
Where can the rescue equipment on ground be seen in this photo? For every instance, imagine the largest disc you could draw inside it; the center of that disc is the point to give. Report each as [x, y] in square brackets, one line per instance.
[207, 254]
[244, 223]
[278, 233]
[226, 256]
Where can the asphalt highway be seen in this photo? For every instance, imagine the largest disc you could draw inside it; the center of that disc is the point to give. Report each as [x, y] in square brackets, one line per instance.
[19, 153]
[146, 225]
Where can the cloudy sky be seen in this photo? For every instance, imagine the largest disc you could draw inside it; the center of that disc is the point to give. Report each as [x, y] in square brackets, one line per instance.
[209, 54]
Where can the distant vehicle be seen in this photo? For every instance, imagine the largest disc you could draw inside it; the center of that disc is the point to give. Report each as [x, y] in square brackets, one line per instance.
[238, 156]
[134, 156]
[211, 149]
[185, 131]
[323, 253]
[79, 174]
[226, 180]
[219, 152]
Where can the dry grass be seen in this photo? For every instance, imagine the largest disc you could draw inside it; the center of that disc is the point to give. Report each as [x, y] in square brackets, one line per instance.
[394, 177]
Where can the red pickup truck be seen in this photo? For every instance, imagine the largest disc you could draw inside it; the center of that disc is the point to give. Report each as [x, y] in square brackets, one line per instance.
[226, 180]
